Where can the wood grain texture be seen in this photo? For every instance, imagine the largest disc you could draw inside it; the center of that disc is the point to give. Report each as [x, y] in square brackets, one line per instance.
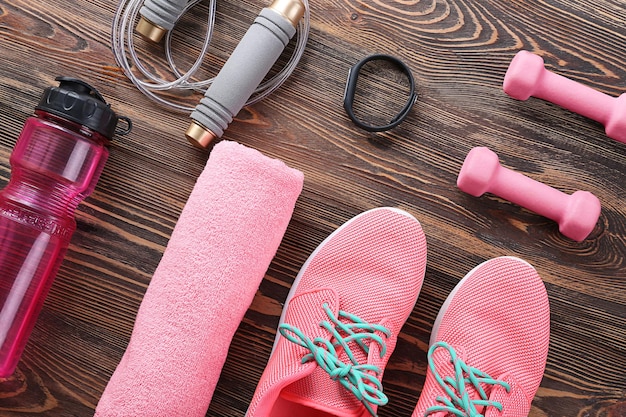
[459, 51]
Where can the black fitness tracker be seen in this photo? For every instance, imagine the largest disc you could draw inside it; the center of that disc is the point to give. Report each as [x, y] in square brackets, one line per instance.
[348, 98]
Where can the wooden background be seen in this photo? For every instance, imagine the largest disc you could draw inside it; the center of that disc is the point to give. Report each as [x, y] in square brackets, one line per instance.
[459, 51]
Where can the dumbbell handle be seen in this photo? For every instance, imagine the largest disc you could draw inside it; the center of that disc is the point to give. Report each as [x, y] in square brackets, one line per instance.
[522, 190]
[574, 96]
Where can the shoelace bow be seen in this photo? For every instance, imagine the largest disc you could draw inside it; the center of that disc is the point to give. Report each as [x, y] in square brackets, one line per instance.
[458, 401]
[361, 380]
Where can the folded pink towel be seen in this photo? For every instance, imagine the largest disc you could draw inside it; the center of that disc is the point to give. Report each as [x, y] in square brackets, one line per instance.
[220, 249]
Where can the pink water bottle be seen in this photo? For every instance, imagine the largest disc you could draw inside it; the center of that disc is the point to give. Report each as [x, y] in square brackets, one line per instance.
[55, 164]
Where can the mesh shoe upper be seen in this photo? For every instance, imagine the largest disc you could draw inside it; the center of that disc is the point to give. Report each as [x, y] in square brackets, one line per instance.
[496, 322]
[372, 268]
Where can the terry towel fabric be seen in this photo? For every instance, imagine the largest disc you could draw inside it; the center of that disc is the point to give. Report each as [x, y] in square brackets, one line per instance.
[219, 251]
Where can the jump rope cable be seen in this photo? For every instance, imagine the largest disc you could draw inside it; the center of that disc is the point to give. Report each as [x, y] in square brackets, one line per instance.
[123, 46]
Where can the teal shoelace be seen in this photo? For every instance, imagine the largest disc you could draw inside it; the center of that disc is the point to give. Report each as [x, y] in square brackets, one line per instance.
[458, 401]
[361, 380]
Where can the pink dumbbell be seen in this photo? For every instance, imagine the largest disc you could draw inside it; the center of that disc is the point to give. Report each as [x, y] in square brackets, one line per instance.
[577, 214]
[528, 77]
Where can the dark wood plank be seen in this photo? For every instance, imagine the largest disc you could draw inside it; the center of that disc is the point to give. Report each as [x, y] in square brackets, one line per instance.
[459, 51]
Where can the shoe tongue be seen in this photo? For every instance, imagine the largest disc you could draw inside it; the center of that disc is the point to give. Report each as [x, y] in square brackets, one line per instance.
[474, 395]
[329, 408]
[316, 389]
[447, 369]
[319, 391]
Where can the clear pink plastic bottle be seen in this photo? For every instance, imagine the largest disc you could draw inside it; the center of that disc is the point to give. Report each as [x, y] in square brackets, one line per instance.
[55, 164]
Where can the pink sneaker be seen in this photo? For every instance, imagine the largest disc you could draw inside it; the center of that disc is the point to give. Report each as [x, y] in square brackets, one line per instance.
[341, 319]
[489, 344]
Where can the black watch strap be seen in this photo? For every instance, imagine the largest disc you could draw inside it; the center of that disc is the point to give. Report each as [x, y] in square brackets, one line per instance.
[348, 98]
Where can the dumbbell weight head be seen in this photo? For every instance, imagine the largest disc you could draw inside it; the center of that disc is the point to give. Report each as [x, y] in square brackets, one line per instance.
[478, 171]
[580, 216]
[523, 74]
[616, 126]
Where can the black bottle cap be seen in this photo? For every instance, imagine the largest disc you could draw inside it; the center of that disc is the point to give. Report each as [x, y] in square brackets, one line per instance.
[77, 101]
